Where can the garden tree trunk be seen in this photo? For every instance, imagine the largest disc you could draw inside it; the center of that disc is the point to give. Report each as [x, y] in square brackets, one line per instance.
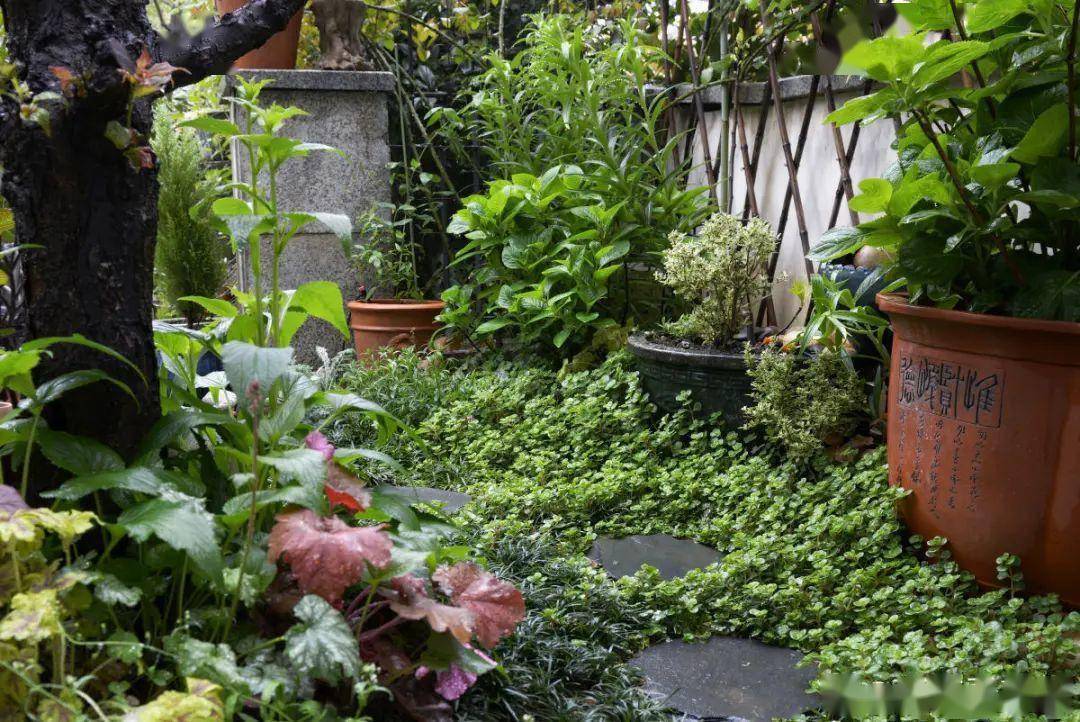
[91, 207]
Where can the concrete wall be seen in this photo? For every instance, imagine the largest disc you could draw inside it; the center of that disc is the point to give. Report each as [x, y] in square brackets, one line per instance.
[346, 110]
[819, 172]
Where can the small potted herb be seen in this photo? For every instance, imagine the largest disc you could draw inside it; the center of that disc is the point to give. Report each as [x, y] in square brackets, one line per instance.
[391, 312]
[721, 275]
[978, 224]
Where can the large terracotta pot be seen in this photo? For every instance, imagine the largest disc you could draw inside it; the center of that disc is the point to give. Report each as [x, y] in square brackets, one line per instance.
[984, 429]
[392, 323]
[278, 53]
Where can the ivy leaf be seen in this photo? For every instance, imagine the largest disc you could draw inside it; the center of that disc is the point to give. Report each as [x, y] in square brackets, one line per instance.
[322, 645]
[195, 658]
[181, 524]
[497, 605]
[33, 617]
[10, 501]
[327, 555]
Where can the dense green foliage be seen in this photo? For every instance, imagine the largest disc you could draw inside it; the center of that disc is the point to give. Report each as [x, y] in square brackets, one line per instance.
[982, 206]
[190, 256]
[814, 559]
[586, 181]
[802, 401]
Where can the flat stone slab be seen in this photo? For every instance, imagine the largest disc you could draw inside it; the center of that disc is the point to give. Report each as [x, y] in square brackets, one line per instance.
[672, 557]
[728, 678]
[451, 500]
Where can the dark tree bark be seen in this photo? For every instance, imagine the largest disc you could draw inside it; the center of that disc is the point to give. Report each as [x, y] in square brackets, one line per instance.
[74, 193]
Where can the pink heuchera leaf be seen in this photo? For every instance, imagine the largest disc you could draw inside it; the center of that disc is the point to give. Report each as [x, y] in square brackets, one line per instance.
[496, 605]
[409, 598]
[327, 555]
[454, 682]
[318, 442]
[345, 489]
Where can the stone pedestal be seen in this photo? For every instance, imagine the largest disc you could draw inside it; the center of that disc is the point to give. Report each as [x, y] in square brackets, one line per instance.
[346, 110]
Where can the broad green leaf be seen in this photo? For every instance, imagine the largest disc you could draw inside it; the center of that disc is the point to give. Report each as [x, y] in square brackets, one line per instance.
[837, 242]
[443, 650]
[17, 363]
[887, 58]
[322, 645]
[77, 454]
[180, 524]
[987, 15]
[927, 14]
[175, 425]
[214, 126]
[246, 363]
[137, 479]
[56, 387]
[216, 306]
[861, 108]
[305, 466]
[945, 58]
[874, 197]
[322, 299]
[493, 325]
[994, 175]
[1046, 137]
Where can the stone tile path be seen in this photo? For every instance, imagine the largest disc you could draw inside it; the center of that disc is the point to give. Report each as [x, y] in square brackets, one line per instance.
[451, 500]
[672, 557]
[724, 678]
[728, 678]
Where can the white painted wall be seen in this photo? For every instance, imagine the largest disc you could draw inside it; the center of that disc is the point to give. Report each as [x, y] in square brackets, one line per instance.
[819, 174]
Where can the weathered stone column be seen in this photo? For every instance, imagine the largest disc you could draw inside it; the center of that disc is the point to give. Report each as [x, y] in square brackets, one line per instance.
[346, 110]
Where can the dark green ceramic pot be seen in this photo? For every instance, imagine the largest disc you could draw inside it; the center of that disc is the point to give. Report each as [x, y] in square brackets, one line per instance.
[715, 379]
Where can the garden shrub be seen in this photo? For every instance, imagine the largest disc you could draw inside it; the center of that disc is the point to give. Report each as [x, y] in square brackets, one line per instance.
[191, 255]
[801, 401]
[815, 556]
[585, 184]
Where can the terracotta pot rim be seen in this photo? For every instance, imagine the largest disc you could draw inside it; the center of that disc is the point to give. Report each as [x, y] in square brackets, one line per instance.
[896, 303]
[385, 305]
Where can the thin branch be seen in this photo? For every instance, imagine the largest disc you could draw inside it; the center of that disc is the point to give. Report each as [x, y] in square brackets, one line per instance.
[213, 50]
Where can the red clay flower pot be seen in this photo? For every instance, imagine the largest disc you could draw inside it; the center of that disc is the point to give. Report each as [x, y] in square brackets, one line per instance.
[386, 323]
[278, 53]
[984, 429]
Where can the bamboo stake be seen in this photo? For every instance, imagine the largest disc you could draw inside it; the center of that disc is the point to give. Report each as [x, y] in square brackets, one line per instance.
[838, 139]
[789, 160]
[699, 106]
[748, 173]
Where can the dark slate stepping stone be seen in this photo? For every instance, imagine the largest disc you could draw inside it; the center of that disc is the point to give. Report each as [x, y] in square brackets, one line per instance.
[672, 557]
[728, 678]
[451, 500]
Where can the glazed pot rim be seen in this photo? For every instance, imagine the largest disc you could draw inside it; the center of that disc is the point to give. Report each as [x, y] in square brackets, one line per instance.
[694, 356]
[395, 304]
[896, 303]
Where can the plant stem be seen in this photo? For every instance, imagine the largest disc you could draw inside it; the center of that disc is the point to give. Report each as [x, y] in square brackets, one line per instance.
[26, 456]
[1070, 62]
[250, 536]
[373, 633]
[924, 123]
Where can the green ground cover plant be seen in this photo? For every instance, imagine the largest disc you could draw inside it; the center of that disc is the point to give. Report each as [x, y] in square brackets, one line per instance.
[815, 556]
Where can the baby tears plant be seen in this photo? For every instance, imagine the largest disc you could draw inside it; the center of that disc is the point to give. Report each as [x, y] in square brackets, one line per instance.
[721, 273]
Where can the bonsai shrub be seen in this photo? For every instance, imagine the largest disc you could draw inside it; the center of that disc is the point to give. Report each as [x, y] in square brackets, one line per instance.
[190, 255]
[722, 274]
[980, 210]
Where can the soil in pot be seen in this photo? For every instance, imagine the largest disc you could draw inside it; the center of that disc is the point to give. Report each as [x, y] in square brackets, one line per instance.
[277, 53]
[380, 324]
[715, 378]
[984, 430]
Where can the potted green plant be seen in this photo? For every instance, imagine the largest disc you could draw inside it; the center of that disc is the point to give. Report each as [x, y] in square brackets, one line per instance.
[721, 275]
[979, 219]
[392, 311]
